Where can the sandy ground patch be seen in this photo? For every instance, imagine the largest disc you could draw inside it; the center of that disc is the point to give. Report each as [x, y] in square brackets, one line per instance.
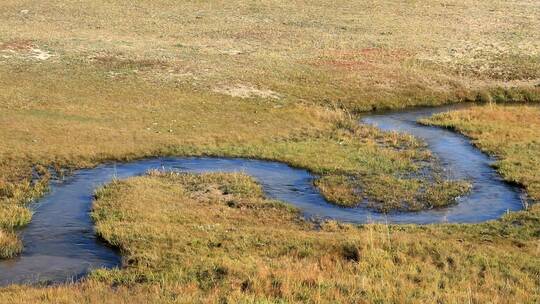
[23, 49]
[40, 54]
[247, 91]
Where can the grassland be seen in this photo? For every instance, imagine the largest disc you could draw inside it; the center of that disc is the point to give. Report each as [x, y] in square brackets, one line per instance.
[510, 133]
[359, 54]
[214, 238]
[86, 82]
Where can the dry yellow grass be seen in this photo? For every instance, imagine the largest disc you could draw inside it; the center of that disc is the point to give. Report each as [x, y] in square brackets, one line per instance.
[361, 54]
[10, 245]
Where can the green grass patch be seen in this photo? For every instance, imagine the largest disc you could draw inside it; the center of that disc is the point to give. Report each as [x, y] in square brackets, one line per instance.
[339, 189]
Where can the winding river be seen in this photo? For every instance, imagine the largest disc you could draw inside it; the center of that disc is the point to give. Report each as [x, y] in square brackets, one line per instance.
[60, 244]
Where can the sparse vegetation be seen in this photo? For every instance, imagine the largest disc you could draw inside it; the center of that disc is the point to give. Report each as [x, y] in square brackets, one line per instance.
[215, 238]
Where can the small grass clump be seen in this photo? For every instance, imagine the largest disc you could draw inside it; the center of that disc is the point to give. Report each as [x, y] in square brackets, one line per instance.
[10, 245]
[14, 216]
[215, 238]
[445, 193]
[340, 190]
[381, 192]
[414, 194]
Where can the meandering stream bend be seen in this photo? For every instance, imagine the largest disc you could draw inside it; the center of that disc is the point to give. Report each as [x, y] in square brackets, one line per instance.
[60, 244]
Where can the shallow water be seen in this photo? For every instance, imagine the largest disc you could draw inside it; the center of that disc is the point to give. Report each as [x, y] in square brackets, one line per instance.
[60, 244]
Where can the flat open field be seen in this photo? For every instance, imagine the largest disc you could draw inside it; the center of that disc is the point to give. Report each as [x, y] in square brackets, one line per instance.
[83, 83]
